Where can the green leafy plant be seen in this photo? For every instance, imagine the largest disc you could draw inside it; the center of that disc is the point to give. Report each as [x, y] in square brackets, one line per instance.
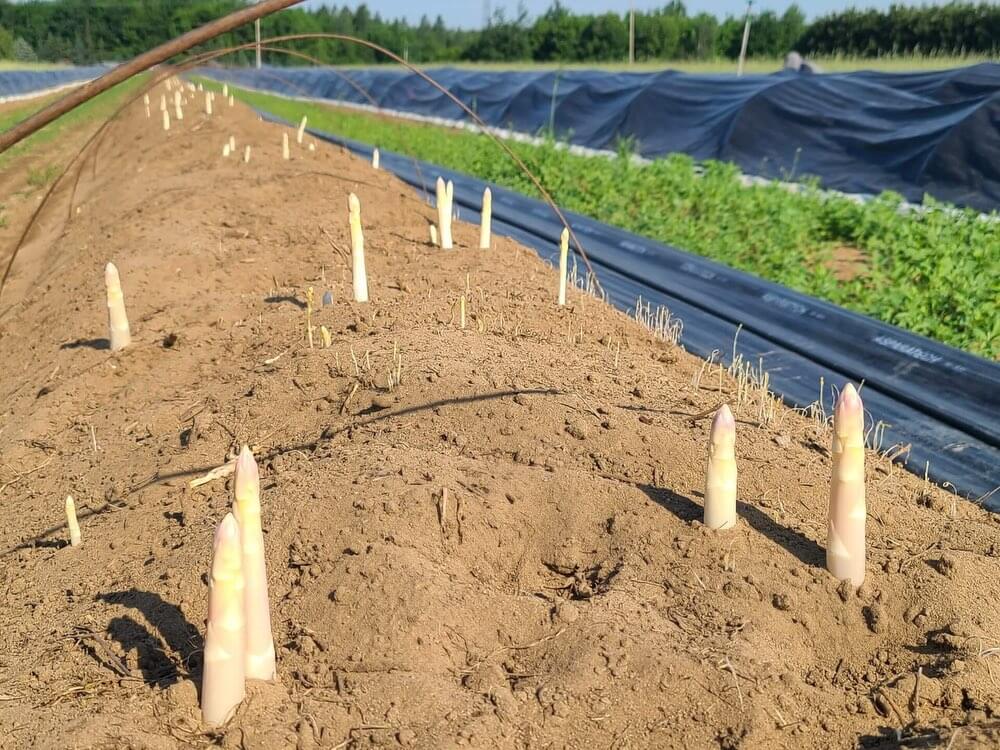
[934, 272]
[42, 176]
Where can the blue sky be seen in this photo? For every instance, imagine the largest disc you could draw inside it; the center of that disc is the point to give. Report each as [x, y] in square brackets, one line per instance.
[469, 13]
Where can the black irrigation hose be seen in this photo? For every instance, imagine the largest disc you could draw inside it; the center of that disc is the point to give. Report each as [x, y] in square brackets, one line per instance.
[942, 402]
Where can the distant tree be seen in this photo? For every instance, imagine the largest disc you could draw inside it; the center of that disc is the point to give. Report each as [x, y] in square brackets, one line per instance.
[87, 30]
[555, 35]
[502, 40]
[955, 28]
[699, 38]
[603, 38]
[23, 52]
[6, 44]
[658, 35]
[729, 38]
[765, 35]
[56, 49]
[792, 27]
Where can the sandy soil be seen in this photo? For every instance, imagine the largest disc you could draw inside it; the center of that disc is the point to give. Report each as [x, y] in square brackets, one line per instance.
[565, 595]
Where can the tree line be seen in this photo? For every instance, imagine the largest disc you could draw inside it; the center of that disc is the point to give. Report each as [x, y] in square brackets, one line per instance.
[88, 31]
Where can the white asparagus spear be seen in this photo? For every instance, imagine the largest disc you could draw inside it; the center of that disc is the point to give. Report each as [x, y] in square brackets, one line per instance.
[720, 476]
[845, 547]
[376, 159]
[302, 130]
[563, 264]
[260, 643]
[285, 154]
[223, 683]
[120, 335]
[72, 523]
[486, 220]
[444, 215]
[357, 250]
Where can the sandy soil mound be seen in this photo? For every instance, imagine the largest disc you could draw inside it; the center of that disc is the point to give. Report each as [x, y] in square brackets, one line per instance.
[565, 595]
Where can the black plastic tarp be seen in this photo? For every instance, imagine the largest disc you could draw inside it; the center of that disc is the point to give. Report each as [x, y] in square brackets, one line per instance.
[18, 83]
[941, 402]
[935, 133]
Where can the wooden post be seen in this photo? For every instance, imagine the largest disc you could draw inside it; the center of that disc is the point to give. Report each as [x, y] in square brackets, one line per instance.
[746, 39]
[631, 33]
[256, 30]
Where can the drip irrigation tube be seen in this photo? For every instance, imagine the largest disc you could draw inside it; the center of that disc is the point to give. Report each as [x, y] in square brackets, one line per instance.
[942, 402]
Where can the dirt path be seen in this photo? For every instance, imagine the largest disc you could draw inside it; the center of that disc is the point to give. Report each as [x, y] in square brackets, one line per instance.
[565, 595]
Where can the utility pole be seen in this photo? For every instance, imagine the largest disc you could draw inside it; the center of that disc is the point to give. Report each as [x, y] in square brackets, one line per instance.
[256, 30]
[631, 33]
[746, 40]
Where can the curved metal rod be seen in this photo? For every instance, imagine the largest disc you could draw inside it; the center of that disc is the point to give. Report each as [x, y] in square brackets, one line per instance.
[138, 64]
[320, 64]
[478, 120]
[96, 135]
[97, 138]
[194, 62]
[208, 56]
[343, 76]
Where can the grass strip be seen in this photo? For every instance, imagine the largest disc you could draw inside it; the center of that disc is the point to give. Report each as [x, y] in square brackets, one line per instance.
[724, 66]
[935, 273]
[98, 108]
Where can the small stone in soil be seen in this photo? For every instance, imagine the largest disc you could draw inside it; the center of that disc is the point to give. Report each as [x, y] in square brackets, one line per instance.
[577, 429]
[945, 565]
[874, 617]
[844, 590]
[782, 602]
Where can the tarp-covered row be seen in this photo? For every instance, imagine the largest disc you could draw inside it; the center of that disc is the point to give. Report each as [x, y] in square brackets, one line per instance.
[941, 402]
[19, 84]
[934, 133]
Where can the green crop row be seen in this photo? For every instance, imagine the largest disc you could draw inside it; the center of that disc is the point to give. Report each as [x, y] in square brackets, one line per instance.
[935, 273]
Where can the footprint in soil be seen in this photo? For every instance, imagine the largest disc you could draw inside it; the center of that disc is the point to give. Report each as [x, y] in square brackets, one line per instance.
[180, 636]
